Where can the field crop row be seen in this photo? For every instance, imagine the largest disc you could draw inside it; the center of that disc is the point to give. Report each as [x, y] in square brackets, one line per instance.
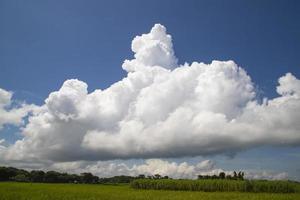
[216, 185]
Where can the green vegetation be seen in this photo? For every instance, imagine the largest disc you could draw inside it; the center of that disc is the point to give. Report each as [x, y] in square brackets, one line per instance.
[213, 185]
[222, 175]
[40, 185]
[38, 176]
[45, 191]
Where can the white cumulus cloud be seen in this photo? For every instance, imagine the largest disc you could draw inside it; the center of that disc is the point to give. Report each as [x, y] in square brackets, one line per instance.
[160, 109]
[152, 49]
[158, 166]
[12, 114]
[266, 175]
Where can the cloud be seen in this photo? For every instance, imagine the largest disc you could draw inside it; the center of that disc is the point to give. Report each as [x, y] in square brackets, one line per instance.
[2, 144]
[12, 114]
[160, 110]
[266, 175]
[152, 49]
[148, 167]
[289, 85]
[158, 166]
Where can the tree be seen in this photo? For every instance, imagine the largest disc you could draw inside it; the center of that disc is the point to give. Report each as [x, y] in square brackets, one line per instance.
[52, 177]
[20, 178]
[4, 175]
[241, 175]
[141, 176]
[214, 176]
[235, 176]
[89, 178]
[157, 176]
[222, 175]
[200, 177]
[37, 176]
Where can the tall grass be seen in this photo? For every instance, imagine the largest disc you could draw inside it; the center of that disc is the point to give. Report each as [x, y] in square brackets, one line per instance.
[216, 185]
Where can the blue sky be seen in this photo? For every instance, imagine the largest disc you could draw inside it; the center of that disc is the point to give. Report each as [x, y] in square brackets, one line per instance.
[44, 43]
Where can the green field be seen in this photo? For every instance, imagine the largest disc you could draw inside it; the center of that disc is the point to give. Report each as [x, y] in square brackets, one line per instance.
[36, 191]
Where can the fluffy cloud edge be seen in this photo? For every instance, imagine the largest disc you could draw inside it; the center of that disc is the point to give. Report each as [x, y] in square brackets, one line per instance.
[13, 114]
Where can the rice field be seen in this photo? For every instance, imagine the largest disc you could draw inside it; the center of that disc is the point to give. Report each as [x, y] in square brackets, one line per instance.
[42, 191]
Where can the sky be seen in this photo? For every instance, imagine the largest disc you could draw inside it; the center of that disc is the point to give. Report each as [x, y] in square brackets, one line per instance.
[178, 88]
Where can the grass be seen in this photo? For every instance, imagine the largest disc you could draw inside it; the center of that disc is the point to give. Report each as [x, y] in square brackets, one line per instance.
[41, 191]
[209, 185]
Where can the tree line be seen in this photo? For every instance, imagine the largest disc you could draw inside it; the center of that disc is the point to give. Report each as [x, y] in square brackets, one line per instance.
[39, 176]
[236, 176]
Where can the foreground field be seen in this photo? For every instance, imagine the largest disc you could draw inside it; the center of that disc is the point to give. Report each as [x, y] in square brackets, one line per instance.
[35, 191]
